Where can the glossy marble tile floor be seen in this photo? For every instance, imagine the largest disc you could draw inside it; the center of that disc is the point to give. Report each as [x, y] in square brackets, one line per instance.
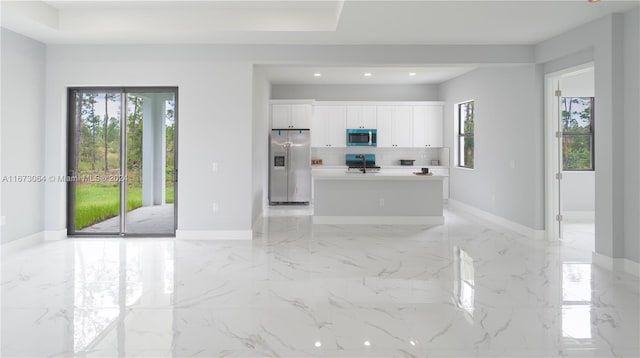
[465, 288]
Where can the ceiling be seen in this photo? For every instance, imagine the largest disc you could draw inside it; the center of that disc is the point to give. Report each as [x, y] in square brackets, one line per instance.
[300, 21]
[355, 75]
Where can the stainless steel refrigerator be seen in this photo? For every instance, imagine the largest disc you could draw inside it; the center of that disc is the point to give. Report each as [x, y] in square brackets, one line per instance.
[290, 167]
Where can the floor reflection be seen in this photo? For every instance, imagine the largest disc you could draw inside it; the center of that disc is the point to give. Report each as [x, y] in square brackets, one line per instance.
[109, 278]
[576, 301]
[464, 287]
[96, 291]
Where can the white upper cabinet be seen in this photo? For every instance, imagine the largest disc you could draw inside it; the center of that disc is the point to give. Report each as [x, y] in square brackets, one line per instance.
[361, 117]
[395, 126]
[329, 127]
[428, 125]
[385, 126]
[285, 116]
[280, 116]
[301, 116]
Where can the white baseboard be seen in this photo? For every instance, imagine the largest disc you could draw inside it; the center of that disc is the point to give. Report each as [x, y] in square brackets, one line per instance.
[214, 234]
[616, 264]
[631, 267]
[22, 243]
[579, 215]
[55, 235]
[381, 220]
[513, 226]
[603, 261]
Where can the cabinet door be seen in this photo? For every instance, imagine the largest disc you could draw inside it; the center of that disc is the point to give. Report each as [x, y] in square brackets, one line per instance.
[319, 128]
[385, 126]
[434, 126]
[354, 117]
[301, 116]
[419, 126]
[402, 126]
[336, 124]
[368, 117]
[280, 116]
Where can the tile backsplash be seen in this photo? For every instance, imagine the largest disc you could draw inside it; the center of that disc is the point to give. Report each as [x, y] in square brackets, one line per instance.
[384, 156]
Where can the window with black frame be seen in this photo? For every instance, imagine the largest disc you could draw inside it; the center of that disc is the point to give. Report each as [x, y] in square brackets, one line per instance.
[577, 133]
[466, 134]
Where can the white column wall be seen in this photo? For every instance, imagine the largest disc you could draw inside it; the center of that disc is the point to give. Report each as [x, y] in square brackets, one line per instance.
[631, 135]
[159, 151]
[149, 123]
[260, 140]
[154, 151]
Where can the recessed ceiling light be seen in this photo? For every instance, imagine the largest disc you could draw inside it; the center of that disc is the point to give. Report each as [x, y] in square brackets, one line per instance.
[317, 74]
[367, 74]
[367, 343]
[412, 73]
[318, 344]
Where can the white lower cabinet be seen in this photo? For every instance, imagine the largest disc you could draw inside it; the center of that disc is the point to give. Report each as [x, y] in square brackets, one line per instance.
[445, 182]
[329, 127]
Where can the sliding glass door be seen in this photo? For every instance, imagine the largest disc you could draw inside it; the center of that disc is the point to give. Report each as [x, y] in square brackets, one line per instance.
[122, 161]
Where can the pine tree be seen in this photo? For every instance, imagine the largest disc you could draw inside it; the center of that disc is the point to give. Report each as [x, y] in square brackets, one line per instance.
[107, 97]
[92, 121]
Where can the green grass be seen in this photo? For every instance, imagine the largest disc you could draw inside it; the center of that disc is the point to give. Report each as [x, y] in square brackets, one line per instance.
[98, 202]
[169, 193]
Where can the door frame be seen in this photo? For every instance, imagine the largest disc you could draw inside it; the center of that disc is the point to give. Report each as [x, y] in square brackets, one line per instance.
[552, 150]
[70, 156]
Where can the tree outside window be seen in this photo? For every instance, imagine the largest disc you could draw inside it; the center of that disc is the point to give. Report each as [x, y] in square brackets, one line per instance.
[466, 134]
[577, 133]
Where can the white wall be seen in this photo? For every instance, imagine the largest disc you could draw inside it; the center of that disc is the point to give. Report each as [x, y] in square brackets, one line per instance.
[23, 79]
[260, 142]
[215, 126]
[578, 188]
[508, 126]
[578, 192]
[356, 92]
[632, 135]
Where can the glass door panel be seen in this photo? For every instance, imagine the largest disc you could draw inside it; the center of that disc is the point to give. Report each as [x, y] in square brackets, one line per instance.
[94, 165]
[150, 190]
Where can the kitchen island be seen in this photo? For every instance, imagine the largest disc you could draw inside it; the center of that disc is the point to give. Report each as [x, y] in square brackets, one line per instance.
[377, 198]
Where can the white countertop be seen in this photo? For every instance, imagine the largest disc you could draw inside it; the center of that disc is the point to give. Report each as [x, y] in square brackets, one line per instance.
[381, 176]
[406, 167]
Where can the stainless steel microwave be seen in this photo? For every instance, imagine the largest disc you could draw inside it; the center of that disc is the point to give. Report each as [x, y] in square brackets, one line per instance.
[362, 137]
